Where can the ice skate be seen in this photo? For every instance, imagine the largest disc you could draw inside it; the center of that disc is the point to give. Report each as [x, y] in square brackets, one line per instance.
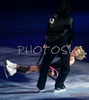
[58, 90]
[5, 71]
[42, 91]
[10, 70]
[10, 64]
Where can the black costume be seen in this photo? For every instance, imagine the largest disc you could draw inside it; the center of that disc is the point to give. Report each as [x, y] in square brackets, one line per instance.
[56, 66]
[59, 34]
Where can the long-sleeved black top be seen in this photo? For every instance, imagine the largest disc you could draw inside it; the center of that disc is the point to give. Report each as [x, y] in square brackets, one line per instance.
[60, 28]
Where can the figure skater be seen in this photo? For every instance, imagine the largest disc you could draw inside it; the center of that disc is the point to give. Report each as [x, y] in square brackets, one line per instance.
[59, 34]
[54, 68]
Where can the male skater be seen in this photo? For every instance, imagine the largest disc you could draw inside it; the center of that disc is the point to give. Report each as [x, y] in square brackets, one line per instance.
[59, 37]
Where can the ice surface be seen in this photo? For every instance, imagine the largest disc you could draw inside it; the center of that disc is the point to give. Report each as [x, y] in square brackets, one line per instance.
[23, 86]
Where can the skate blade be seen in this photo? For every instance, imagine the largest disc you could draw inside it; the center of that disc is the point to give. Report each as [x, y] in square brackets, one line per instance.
[59, 91]
[5, 71]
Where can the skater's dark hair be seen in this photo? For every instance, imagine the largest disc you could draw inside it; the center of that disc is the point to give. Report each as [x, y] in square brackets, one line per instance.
[63, 8]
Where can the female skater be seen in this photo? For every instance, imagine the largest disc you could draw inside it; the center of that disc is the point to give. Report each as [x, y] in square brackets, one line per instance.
[54, 68]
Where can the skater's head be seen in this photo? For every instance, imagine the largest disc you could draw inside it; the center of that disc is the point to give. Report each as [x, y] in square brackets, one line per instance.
[79, 53]
[63, 8]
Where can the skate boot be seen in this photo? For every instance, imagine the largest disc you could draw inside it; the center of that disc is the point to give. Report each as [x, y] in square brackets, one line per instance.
[11, 71]
[58, 90]
[42, 91]
[10, 64]
[62, 89]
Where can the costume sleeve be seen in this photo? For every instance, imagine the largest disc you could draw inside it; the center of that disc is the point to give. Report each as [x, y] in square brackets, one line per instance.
[69, 41]
[48, 25]
[47, 30]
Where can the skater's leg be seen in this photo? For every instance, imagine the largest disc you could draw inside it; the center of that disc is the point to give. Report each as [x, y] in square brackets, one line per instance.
[27, 69]
[13, 68]
[22, 69]
[44, 70]
[55, 67]
[34, 69]
[64, 70]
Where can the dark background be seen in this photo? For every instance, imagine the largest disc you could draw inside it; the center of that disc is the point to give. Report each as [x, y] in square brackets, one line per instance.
[41, 5]
[24, 23]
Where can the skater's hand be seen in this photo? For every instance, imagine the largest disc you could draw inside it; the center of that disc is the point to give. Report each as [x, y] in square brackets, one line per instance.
[46, 37]
[69, 45]
[51, 72]
[38, 65]
[44, 46]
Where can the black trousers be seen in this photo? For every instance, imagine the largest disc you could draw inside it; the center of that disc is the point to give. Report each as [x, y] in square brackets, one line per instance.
[48, 57]
[56, 65]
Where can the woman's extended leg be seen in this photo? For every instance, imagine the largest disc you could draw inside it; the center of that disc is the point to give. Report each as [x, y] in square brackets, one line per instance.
[12, 68]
